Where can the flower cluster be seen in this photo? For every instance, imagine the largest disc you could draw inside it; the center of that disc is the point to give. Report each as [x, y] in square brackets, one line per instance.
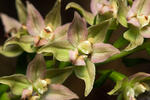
[82, 42]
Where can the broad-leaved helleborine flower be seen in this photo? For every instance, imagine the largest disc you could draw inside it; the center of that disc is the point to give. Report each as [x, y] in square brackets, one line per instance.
[130, 88]
[88, 48]
[48, 30]
[138, 18]
[18, 38]
[88, 43]
[39, 84]
[103, 10]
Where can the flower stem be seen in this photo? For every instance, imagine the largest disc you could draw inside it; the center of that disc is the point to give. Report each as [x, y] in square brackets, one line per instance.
[108, 35]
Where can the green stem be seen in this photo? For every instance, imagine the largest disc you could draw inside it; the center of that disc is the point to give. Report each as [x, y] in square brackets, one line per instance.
[108, 35]
[124, 53]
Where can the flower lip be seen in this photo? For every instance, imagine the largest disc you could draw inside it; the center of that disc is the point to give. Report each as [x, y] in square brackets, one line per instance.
[85, 47]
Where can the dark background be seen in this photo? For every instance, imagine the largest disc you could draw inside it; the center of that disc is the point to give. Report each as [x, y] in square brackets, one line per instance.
[7, 65]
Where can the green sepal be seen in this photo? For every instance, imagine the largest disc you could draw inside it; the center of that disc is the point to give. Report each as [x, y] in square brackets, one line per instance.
[22, 12]
[59, 75]
[16, 82]
[86, 73]
[53, 18]
[134, 37]
[89, 17]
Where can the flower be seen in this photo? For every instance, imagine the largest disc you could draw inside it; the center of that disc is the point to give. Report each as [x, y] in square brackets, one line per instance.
[102, 10]
[138, 14]
[132, 87]
[38, 82]
[86, 45]
[18, 38]
[46, 31]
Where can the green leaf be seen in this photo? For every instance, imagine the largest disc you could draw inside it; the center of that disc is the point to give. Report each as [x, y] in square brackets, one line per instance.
[22, 13]
[86, 73]
[4, 96]
[36, 68]
[16, 82]
[89, 17]
[53, 18]
[58, 92]
[129, 62]
[98, 32]
[59, 75]
[134, 37]
[121, 42]
[11, 51]
[60, 50]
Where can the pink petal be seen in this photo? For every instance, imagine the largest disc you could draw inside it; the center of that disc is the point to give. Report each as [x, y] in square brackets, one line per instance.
[77, 31]
[102, 52]
[35, 22]
[10, 23]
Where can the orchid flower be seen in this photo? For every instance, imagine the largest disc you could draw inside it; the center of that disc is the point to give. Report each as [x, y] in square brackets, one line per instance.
[19, 39]
[49, 36]
[48, 30]
[138, 18]
[39, 83]
[130, 88]
[103, 10]
[88, 48]
[88, 43]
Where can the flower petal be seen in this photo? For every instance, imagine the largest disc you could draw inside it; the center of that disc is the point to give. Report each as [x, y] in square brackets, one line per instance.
[134, 37]
[11, 51]
[86, 73]
[9, 23]
[16, 82]
[60, 49]
[36, 68]
[35, 22]
[102, 52]
[139, 76]
[98, 32]
[22, 13]
[26, 46]
[96, 5]
[77, 31]
[59, 92]
[145, 32]
[146, 8]
[59, 75]
[61, 32]
[53, 18]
